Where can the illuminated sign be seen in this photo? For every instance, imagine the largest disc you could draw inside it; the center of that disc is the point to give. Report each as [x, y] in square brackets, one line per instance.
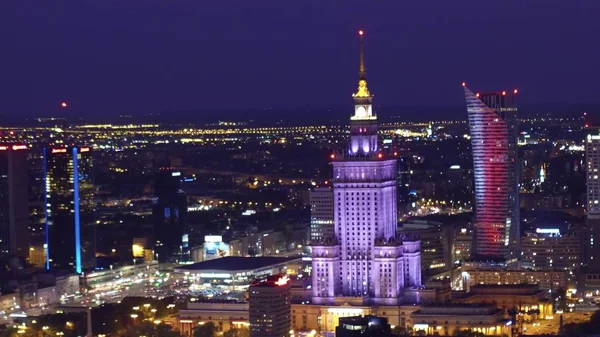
[175, 174]
[213, 238]
[455, 167]
[215, 275]
[547, 230]
[2, 148]
[19, 147]
[420, 326]
[59, 150]
[84, 149]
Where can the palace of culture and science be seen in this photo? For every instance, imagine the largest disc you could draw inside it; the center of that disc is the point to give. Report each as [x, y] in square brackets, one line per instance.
[366, 261]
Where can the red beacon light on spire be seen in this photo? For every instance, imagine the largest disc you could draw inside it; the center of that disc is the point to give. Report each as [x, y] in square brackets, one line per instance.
[504, 93]
[515, 91]
[63, 104]
[464, 84]
[360, 32]
[477, 95]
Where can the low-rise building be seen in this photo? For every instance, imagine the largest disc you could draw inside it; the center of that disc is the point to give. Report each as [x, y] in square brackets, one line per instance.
[547, 280]
[448, 319]
[526, 298]
[224, 314]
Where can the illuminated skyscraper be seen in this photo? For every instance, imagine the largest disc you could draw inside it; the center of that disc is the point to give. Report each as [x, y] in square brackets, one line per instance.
[592, 157]
[269, 304]
[170, 216]
[69, 208]
[494, 127]
[14, 215]
[365, 258]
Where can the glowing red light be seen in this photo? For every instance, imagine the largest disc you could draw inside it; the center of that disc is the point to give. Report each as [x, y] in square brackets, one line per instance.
[360, 32]
[326, 182]
[282, 281]
[395, 153]
[464, 84]
[12, 133]
[586, 125]
[477, 95]
[59, 150]
[19, 147]
[63, 104]
[3, 148]
[516, 91]
[379, 155]
[332, 156]
[504, 93]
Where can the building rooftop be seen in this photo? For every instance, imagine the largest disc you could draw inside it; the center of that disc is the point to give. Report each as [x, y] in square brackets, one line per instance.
[235, 263]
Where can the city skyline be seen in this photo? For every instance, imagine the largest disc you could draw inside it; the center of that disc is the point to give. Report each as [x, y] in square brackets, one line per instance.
[189, 57]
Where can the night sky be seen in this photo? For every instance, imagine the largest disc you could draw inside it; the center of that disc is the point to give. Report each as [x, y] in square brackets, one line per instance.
[137, 56]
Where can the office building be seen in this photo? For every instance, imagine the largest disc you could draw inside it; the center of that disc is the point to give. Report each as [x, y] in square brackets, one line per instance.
[270, 307]
[592, 157]
[547, 249]
[366, 258]
[363, 326]
[171, 242]
[493, 129]
[321, 213]
[404, 160]
[14, 215]
[463, 244]
[436, 243]
[69, 208]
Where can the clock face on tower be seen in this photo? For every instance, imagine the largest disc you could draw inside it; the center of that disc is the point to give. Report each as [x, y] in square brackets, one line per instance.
[360, 112]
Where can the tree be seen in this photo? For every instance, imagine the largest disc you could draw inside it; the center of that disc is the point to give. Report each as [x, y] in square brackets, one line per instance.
[206, 330]
[237, 332]
[151, 330]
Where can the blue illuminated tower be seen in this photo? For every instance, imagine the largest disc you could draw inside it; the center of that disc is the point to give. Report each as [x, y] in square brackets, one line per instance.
[69, 203]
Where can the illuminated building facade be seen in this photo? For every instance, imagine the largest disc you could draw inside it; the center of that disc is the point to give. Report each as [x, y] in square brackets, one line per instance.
[592, 157]
[547, 249]
[14, 215]
[365, 258]
[270, 307]
[494, 128]
[171, 243]
[321, 213]
[69, 208]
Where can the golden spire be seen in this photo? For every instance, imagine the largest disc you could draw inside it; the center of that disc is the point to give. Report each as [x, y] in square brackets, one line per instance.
[363, 91]
[362, 55]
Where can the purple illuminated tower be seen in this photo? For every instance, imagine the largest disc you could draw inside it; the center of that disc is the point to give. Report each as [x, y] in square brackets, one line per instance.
[365, 258]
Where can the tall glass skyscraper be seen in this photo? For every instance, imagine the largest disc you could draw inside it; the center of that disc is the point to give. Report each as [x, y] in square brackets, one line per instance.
[494, 128]
[14, 217]
[69, 208]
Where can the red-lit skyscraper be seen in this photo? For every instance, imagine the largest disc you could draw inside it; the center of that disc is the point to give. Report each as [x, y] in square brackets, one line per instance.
[494, 127]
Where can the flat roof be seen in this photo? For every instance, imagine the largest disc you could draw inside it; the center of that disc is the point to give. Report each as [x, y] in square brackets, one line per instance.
[237, 263]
